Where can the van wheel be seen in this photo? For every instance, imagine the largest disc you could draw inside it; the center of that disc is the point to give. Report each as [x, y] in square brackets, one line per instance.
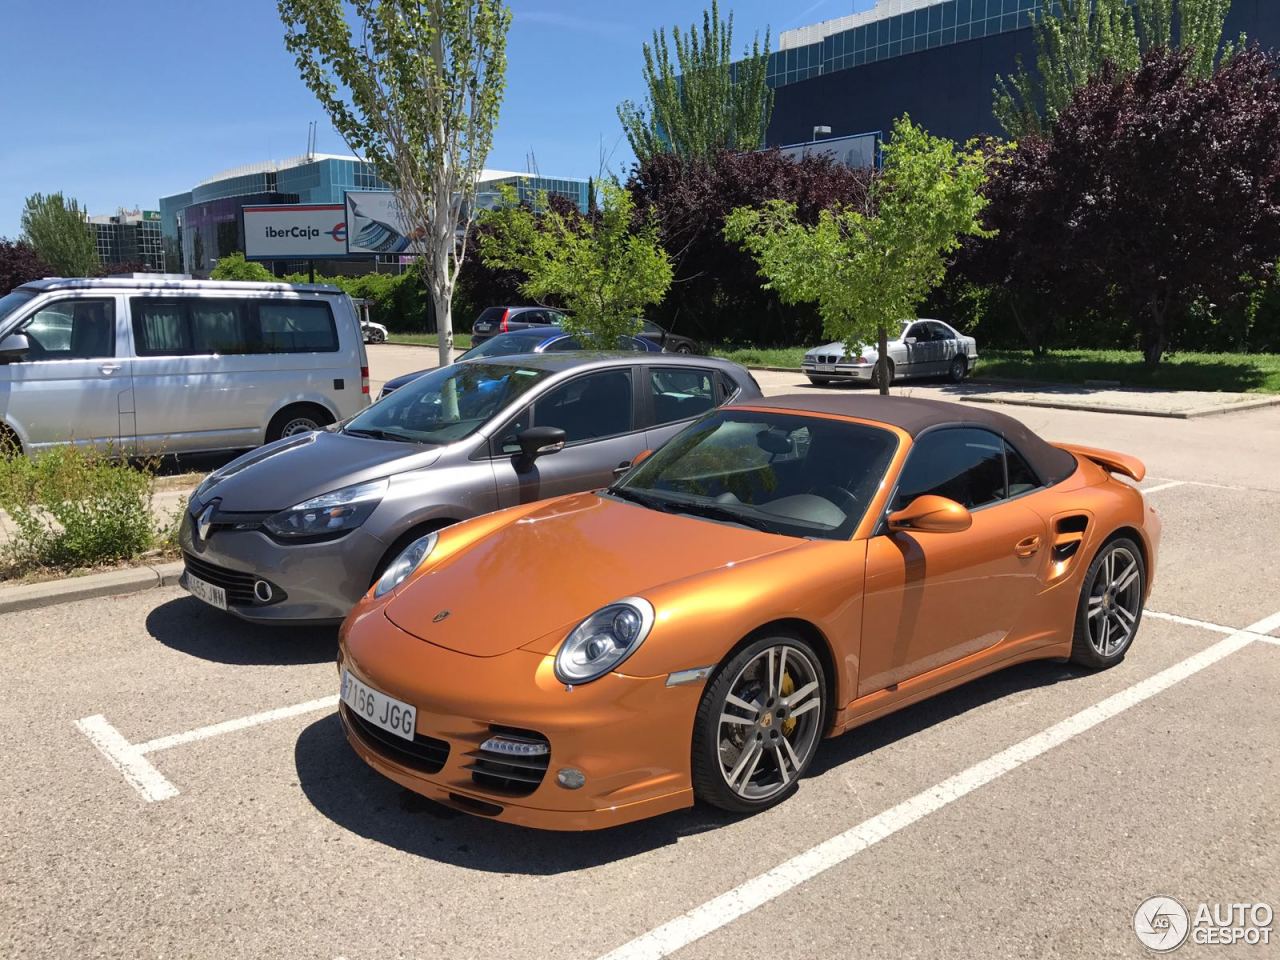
[10, 445]
[300, 418]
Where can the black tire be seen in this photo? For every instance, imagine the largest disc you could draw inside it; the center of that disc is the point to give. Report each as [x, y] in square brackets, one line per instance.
[296, 419]
[875, 373]
[1102, 606]
[10, 445]
[958, 370]
[683, 348]
[780, 775]
[820, 381]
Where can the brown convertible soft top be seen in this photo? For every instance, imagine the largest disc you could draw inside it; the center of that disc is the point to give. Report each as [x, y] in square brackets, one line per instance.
[916, 415]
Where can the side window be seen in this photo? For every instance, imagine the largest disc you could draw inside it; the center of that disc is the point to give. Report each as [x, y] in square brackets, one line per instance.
[940, 332]
[588, 408]
[160, 328]
[217, 326]
[296, 326]
[80, 329]
[916, 330]
[680, 393]
[562, 345]
[1021, 477]
[964, 464]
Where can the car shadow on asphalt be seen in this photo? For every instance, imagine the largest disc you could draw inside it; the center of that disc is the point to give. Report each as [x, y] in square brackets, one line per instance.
[347, 791]
[344, 789]
[194, 628]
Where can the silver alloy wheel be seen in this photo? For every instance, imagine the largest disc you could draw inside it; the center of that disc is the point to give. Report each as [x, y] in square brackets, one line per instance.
[1115, 600]
[769, 723]
[299, 425]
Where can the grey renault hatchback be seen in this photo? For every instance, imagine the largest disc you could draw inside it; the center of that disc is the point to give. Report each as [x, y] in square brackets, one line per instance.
[298, 530]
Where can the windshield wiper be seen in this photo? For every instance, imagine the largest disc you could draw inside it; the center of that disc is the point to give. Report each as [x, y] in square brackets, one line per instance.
[653, 503]
[374, 434]
[713, 511]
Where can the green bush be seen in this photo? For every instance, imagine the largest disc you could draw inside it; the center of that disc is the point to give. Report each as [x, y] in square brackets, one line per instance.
[69, 508]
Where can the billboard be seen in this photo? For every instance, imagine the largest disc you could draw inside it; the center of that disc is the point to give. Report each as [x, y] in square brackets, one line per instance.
[295, 231]
[375, 225]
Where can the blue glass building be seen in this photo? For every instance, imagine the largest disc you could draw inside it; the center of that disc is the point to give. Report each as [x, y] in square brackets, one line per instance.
[936, 60]
[204, 223]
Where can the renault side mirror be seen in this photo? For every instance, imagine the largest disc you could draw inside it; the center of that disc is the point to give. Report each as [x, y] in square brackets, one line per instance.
[539, 441]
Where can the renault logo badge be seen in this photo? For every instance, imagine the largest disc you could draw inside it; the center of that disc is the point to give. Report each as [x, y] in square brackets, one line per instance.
[205, 522]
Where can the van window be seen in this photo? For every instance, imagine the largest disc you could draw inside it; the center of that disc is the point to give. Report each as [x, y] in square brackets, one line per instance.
[80, 329]
[160, 328]
[297, 326]
[217, 326]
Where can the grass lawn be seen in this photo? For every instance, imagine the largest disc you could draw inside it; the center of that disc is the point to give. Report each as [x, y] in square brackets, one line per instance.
[461, 341]
[1235, 372]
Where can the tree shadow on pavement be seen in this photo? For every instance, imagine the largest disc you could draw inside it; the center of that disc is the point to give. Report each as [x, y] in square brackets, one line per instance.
[343, 788]
[194, 628]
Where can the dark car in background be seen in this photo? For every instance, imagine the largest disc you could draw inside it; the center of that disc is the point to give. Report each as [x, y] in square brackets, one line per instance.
[667, 341]
[531, 340]
[300, 529]
[495, 320]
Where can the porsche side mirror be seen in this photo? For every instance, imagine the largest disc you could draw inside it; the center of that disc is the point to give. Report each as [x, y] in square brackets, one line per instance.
[931, 514]
[641, 457]
[539, 441]
[14, 347]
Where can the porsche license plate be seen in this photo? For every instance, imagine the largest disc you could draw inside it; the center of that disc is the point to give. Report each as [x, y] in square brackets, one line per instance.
[375, 707]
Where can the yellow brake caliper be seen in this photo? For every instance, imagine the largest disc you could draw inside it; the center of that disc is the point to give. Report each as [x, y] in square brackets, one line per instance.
[788, 688]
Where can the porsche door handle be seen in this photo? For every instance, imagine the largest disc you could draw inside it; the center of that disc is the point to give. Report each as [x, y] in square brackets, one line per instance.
[1027, 546]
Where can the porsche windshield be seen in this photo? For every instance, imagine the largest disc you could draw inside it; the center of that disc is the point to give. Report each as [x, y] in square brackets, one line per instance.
[783, 473]
[446, 405]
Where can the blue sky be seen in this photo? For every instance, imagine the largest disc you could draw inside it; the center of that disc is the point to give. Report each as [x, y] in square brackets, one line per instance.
[119, 103]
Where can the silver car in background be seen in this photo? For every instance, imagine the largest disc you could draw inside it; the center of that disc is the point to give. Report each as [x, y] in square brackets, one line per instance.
[154, 364]
[298, 530]
[921, 348]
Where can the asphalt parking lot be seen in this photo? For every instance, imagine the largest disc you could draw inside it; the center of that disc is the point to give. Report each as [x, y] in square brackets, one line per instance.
[176, 784]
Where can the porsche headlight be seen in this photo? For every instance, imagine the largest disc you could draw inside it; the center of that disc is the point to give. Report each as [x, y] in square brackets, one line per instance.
[408, 561]
[329, 513]
[602, 641]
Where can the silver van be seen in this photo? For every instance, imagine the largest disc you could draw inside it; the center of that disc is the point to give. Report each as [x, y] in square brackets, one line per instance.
[149, 365]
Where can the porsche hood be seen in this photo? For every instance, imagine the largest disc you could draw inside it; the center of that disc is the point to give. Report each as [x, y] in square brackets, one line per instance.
[551, 568]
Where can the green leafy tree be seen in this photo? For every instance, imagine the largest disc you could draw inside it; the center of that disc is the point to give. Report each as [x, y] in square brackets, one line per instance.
[235, 267]
[57, 228]
[1074, 38]
[700, 101]
[869, 268]
[415, 90]
[604, 269]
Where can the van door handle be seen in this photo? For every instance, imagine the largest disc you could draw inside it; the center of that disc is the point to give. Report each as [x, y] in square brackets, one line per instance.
[622, 468]
[109, 368]
[1027, 546]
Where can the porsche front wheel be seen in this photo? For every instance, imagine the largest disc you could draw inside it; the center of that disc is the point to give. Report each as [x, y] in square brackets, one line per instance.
[1110, 607]
[759, 724]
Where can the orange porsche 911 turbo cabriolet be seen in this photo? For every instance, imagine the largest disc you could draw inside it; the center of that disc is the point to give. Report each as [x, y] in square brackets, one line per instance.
[778, 572]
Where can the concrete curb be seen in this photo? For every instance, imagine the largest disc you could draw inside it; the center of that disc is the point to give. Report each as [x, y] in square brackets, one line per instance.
[113, 583]
[1128, 411]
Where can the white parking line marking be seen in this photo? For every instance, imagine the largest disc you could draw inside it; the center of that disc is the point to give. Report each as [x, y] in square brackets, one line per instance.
[1205, 625]
[130, 760]
[1163, 486]
[724, 909]
[231, 726]
[126, 758]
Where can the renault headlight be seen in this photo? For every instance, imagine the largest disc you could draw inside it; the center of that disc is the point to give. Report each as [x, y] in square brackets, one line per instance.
[408, 561]
[330, 513]
[602, 641]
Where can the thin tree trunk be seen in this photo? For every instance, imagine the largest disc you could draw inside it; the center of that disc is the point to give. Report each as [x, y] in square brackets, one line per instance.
[883, 361]
[1154, 340]
[444, 324]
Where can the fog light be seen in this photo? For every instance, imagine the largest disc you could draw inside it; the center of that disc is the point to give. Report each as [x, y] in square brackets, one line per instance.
[570, 779]
[515, 748]
[262, 590]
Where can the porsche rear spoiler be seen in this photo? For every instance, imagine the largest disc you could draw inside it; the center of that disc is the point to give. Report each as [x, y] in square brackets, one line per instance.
[1109, 460]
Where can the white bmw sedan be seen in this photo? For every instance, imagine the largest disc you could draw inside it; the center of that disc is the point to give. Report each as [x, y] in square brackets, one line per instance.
[923, 348]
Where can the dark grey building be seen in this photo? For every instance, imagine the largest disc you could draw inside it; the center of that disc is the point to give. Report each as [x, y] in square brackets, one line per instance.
[130, 237]
[936, 60]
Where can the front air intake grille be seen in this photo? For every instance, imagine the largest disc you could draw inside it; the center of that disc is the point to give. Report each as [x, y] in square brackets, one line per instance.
[510, 774]
[239, 586]
[425, 754]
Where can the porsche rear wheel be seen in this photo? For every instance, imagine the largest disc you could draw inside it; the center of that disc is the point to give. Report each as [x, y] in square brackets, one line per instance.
[1110, 608]
[759, 724]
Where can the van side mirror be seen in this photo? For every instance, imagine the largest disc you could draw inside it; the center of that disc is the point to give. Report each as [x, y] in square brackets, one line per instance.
[14, 347]
[931, 514]
[539, 441]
